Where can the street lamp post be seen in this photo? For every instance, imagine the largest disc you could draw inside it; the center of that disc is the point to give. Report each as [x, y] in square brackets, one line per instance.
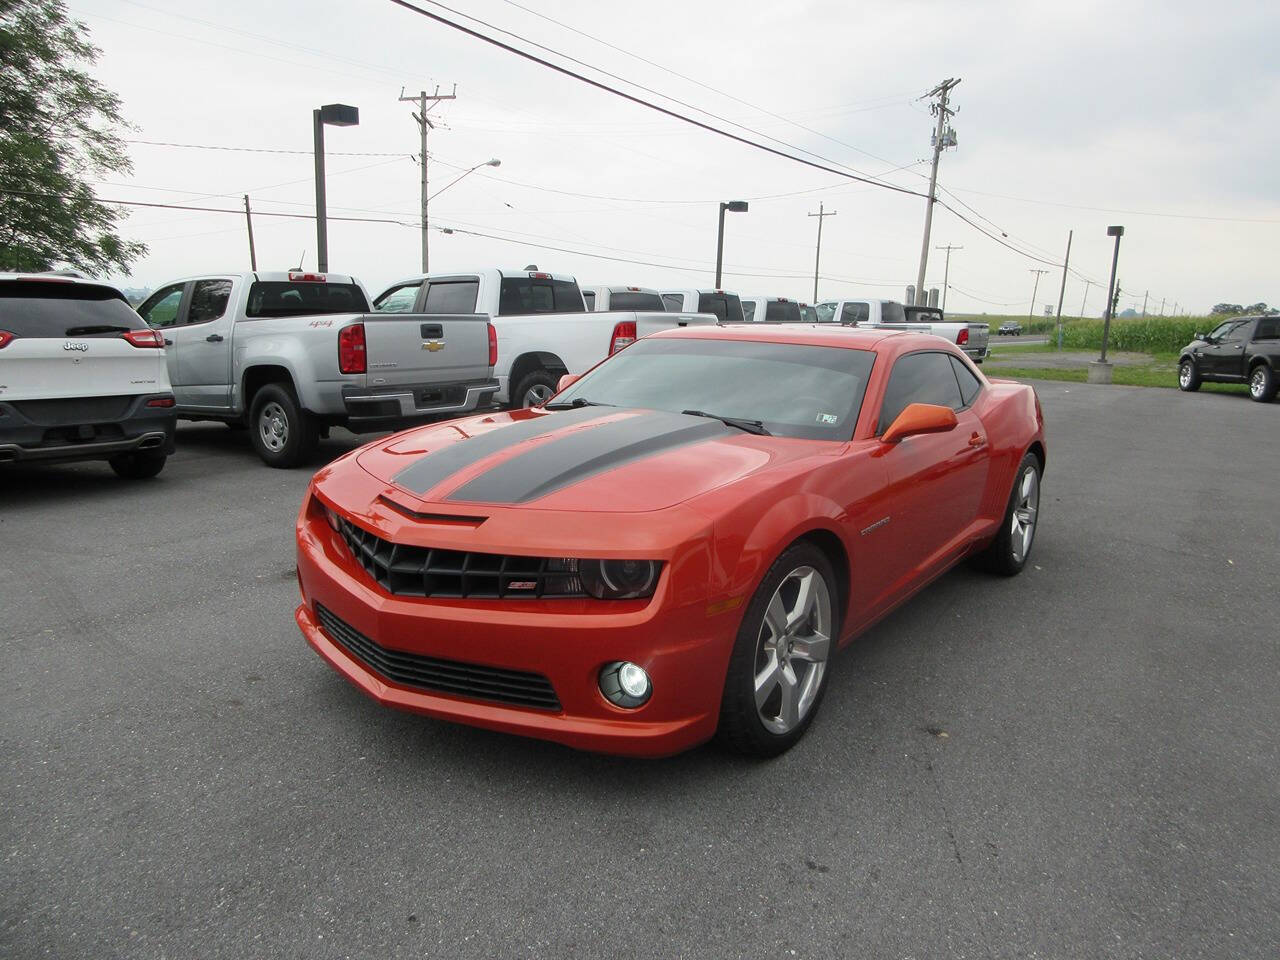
[1100, 370]
[335, 115]
[733, 206]
[427, 199]
[488, 163]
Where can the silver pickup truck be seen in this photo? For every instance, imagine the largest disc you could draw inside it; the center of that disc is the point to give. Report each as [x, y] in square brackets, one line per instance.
[291, 354]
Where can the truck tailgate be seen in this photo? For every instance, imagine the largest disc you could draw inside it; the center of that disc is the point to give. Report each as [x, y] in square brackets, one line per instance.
[414, 348]
[979, 337]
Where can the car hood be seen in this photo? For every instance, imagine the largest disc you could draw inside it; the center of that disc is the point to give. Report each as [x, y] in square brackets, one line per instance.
[591, 459]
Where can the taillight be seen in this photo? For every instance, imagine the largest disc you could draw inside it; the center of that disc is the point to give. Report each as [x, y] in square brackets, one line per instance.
[160, 402]
[351, 354]
[307, 277]
[623, 334]
[144, 338]
[6, 338]
[962, 338]
[493, 345]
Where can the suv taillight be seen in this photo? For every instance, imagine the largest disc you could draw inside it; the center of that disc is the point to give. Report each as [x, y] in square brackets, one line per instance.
[351, 354]
[623, 334]
[144, 338]
[962, 337]
[493, 345]
[6, 338]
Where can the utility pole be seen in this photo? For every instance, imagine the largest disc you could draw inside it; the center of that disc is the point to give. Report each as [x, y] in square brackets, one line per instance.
[943, 137]
[817, 257]
[248, 219]
[1085, 299]
[1162, 306]
[1032, 312]
[1144, 302]
[946, 273]
[424, 126]
[1175, 308]
[1063, 289]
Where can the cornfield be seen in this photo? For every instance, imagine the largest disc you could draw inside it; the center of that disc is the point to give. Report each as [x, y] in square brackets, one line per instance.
[1141, 335]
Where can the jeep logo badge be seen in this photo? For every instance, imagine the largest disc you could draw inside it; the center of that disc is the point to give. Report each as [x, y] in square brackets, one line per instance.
[75, 345]
[435, 346]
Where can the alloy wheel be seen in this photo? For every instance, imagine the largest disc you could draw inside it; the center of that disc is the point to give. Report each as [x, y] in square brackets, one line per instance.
[1025, 509]
[1257, 382]
[1184, 374]
[273, 426]
[792, 650]
[539, 393]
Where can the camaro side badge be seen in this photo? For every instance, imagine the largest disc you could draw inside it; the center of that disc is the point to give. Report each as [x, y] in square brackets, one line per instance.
[435, 346]
[875, 526]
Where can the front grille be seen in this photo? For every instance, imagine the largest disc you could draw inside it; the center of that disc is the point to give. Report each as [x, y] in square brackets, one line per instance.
[429, 572]
[471, 680]
[73, 410]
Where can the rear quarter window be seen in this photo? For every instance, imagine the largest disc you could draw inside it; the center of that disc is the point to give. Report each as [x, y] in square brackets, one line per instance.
[451, 296]
[674, 302]
[46, 308]
[1268, 329]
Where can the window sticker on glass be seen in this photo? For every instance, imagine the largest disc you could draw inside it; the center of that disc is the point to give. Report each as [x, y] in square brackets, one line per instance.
[828, 418]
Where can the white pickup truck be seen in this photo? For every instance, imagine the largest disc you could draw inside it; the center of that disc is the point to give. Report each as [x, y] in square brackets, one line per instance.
[727, 307]
[291, 354]
[972, 338]
[544, 330]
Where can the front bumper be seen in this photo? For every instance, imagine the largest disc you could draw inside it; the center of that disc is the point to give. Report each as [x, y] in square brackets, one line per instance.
[84, 428]
[683, 648]
[375, 409]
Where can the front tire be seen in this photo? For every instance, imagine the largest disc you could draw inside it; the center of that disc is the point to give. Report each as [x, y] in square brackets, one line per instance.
[141, 465]
[1188, 376]
[534, 388]
[781, 660]
[1262, 384]
[1009, 551]
[283, 433]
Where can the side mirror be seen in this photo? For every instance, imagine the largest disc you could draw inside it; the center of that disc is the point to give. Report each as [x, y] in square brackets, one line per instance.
[920, 418]
[1199, 336]
[567, 381]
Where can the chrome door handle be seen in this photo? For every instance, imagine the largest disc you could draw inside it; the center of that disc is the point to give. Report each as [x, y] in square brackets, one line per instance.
[168, 342]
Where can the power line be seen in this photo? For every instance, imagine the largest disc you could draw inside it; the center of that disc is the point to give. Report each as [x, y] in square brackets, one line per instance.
[308, 153]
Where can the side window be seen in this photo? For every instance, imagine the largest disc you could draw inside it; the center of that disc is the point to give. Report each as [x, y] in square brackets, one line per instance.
[891, 312]
[1236, 331]
[398, 299]
[590, 297]
[969, 384]
[854, 313]
[748, 310]
[673, 302]
[452, 296]
[1268, 330]
[1221, 330]
[208, 300]
[919, 378]
[161, 308]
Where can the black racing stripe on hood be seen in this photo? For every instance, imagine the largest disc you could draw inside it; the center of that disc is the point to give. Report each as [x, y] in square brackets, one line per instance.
[433, 468]
[577, 456]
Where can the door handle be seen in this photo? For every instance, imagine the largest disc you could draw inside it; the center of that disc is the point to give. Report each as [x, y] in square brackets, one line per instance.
[214, 338]
[168, 342]
[977, 440]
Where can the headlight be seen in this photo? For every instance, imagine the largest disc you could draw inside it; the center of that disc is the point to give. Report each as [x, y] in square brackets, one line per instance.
[619, 579]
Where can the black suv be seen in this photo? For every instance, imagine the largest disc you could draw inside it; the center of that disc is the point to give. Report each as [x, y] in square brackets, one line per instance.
[1240, 350]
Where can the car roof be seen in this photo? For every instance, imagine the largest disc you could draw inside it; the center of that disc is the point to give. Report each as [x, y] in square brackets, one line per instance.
[808, 334]
[63, 278]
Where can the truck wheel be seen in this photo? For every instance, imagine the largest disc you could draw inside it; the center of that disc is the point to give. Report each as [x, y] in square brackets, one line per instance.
[137, 466]
[1188, 376]
[1262, 383]
[534, 388]
[283, 433]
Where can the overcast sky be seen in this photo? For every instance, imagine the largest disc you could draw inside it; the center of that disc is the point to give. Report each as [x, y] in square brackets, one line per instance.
[1156, 115]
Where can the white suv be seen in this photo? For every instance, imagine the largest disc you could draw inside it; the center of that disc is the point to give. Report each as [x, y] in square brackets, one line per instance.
[82, 377]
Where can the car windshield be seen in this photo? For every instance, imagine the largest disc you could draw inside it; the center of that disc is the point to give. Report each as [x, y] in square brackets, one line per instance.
[278, 298]
[794, 390]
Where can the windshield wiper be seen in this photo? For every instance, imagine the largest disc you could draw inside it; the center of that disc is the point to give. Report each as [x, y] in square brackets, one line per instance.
[750, 426]
[575, 403]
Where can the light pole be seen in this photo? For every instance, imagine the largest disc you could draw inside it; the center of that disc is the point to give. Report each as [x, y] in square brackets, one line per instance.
[1100, 370]
[335, 115]
[488, 163]
[733, 206]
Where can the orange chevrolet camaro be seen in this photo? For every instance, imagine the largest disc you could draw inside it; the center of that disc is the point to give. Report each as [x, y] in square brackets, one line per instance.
[674, 547]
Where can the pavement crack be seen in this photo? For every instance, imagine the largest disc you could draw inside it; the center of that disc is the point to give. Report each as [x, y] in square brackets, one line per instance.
[955, 850]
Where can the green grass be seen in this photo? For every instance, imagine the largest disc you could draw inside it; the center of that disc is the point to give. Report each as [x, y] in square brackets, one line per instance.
[1020, 348]
[1136, 376]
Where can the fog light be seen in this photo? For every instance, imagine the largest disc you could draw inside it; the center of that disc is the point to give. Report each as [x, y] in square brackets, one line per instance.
[625, 684]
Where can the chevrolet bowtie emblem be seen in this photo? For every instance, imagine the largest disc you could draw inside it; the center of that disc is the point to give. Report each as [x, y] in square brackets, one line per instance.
[435, 346]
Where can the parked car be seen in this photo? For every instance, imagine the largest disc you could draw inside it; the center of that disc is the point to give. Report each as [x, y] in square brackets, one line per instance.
[1241, 350]
[543, 328]
[725, 306]
[675, 546]
[81, 377]
[1010, 328]
[604, 299]
[762, 309]
[292, 354]
[972, 338]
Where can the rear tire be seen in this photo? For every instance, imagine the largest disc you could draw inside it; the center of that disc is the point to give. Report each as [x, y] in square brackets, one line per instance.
[534, 388]
[1262, 384]
[140, 465]
[1008, 553]
[781, 660]
[1188, 376]
[283, 433]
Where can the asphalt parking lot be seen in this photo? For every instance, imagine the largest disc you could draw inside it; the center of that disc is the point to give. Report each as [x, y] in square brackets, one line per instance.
[1078, 762]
